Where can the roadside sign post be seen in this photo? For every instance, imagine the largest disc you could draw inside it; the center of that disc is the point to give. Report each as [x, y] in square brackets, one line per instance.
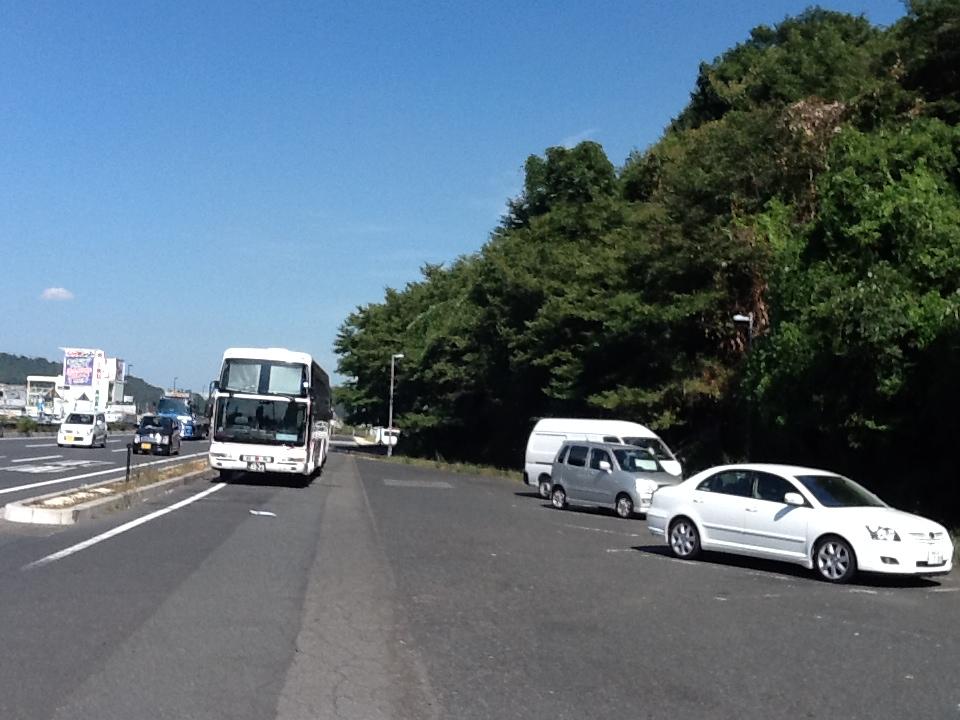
[129, 453]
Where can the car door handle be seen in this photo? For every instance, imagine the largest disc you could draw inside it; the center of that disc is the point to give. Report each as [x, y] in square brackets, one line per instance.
[751, 509]
[698, 502]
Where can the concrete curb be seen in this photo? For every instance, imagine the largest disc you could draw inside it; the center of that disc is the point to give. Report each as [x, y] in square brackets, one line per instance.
[20, 511]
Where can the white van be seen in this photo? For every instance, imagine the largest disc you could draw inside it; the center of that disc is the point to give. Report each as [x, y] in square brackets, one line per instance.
[549, 434]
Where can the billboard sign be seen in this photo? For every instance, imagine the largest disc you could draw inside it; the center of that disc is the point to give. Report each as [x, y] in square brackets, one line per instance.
[78, 366]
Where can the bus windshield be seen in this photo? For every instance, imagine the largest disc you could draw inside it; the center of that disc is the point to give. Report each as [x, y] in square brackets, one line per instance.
[173, 406]
[267, 422]
[263, 377]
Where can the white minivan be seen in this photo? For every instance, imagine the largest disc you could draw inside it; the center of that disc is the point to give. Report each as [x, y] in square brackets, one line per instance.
[550, 433]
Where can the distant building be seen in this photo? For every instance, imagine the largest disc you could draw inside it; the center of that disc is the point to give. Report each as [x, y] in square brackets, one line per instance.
[90, 380]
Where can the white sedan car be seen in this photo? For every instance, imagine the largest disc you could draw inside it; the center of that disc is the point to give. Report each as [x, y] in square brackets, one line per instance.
[814, 518]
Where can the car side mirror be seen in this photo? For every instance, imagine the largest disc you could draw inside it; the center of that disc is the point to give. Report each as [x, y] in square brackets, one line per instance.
[793, 498]
[605, 465]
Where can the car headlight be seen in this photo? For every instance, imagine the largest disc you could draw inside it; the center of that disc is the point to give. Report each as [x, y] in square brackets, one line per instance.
[883, 533]
[164, 439]
[136, 438]
[645, 487]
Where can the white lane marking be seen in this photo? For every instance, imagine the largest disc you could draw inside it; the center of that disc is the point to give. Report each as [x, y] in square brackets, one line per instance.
[66, 552]
[862, 591]
[42, 445]
[119, 450]
[6, 491]
[264, 513]
[601, 530]
[938, 590]
[55, 466]
[117, 440]
[35, 459]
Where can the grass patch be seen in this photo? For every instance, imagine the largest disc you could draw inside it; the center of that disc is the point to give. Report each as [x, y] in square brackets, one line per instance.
[139, 478]
[454, 467]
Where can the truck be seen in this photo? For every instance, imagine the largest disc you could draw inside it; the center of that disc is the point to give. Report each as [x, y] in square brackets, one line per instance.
[176, 404]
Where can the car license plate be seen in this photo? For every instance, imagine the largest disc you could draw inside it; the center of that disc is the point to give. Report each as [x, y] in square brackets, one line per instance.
[934, 558]
[145, 446]
[68, 438]
[256, 467]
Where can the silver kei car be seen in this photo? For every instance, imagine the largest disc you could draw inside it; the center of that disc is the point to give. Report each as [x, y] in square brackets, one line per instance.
[620, 477]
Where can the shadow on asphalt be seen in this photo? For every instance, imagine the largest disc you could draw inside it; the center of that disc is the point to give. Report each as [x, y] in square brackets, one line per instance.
[528, 493]
[278, 480]
[778, 568]
[361, 449]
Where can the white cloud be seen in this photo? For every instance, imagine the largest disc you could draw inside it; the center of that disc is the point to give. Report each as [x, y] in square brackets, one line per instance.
[56, 293]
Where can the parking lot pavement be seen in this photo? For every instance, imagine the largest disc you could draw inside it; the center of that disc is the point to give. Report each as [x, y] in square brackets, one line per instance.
[520, 610]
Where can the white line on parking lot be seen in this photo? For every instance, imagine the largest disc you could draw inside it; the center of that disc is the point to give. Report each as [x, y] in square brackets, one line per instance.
[34, 459]
[119, 450]
[6, 491]
[117, 440]
[42, 445]
[601, 530]
[121, 529]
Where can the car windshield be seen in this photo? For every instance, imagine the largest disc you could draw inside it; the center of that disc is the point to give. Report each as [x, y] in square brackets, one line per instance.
[267, 422]
[654, 445]
[79, 419]
[837, 491]
[639, 460]
[153, 422]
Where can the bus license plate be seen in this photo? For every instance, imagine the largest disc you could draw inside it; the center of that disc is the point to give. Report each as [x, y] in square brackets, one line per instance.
[256, 467]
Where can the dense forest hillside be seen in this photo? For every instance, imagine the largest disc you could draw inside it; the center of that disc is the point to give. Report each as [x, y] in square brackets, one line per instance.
[811, 182]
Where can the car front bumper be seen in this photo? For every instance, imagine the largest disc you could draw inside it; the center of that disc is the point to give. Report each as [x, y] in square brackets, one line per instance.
[906, 558]
[78, 440]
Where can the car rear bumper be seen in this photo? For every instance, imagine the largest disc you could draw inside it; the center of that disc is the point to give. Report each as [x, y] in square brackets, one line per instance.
[77, 440]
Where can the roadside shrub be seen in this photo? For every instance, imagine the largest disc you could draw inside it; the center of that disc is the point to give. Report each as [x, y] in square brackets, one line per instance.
[26, 425]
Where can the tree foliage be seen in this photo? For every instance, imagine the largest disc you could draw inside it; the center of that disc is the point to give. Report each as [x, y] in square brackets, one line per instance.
[812, 180]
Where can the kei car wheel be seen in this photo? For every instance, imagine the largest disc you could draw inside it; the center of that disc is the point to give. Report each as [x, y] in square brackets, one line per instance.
[559, 498]
[544, 487]
[624, 506]
[834, 560]
[684, 539]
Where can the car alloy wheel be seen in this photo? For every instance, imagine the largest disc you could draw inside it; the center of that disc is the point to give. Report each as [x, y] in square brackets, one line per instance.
[684, 539]
[834, 560]
[624, 506]
[544, 489]
[559, 498]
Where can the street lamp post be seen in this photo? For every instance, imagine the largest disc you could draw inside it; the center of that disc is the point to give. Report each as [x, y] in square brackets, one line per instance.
[390, 437]
[741, 319]
[174, 382]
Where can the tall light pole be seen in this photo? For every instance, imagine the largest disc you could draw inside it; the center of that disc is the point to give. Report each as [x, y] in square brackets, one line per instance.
[741, 319]
[390, 437]
[748, 321]
[174, 382]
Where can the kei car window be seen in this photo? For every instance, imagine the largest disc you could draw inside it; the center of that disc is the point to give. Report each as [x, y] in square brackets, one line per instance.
[596, 456]
[577, 456]
[561, 455]
[771, 487]
[729, 482]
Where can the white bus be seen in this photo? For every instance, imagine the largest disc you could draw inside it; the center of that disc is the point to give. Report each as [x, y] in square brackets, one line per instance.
[271, 413]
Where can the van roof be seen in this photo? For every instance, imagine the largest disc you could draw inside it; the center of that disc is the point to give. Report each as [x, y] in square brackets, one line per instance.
[620, 428]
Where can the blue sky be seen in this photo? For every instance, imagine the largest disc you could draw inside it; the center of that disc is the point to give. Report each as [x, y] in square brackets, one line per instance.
[204, 175]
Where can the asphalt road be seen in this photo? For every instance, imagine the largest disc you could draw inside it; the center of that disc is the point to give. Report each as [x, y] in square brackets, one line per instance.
[32, 466]
[382, 590]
